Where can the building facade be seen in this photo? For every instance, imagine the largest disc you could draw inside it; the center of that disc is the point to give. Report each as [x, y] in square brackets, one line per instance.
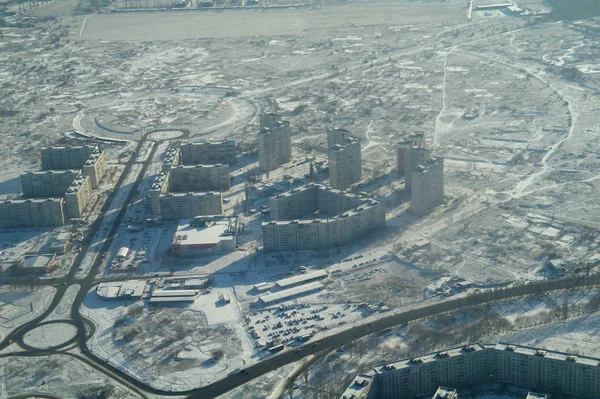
[174, 206]
[78, 196]
[521, 366]
[268, 120]
[95, 167]
[199, 178]
[47, 183]
[337, 135]
[345, 164]
[427, 189]
[210, 152]
[274, 146]
[413, 157]
[205, 235]
[348, 216]
[414, 140]
[172, 158]
[32, 212]
[60, 158]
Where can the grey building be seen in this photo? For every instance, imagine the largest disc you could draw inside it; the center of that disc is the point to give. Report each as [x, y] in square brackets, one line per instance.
[199, 178]
[32, 212]
[208, 152]
[95, 167]
[78, 196]
[66, 157]
[414, 140]
[427, 189]
[174, 206]
[337, 135]
[345, 163]
[413, 157]
[274, 146]
[47, 183]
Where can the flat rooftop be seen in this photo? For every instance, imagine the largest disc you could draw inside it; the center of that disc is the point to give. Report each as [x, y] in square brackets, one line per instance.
[359, 388]
[559, 356]
[215, 231]
[302, 278]
[37, 261]
[174, 293]
[428, 358]
[118, 289]
[289, 293]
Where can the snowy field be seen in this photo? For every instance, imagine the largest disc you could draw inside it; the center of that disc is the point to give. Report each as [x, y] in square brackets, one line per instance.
[18, 305]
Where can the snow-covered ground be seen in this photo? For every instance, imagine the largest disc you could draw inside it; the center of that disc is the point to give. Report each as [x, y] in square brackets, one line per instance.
[19, 305]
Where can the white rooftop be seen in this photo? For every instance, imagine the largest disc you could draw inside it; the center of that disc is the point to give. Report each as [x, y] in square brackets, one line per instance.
[215, 231]
[281, 295]
[286, 282]
[37, 261]
[117, 289]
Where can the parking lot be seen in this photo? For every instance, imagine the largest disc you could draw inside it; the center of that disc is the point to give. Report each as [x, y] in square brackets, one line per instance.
[294, 324]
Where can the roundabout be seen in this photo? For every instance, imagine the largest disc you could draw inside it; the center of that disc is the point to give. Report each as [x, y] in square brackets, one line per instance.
[50, 335]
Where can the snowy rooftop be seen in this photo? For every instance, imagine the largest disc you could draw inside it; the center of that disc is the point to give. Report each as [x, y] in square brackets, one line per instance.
[174, 293]
[118, 289]
[285, 294]
[212, 231]
[533, 395]
[37, 261]
[428, 358]
[359, 387]
[526, 350]
[287, 282]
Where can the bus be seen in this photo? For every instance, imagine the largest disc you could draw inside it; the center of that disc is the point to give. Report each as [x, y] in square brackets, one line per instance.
[275, 349]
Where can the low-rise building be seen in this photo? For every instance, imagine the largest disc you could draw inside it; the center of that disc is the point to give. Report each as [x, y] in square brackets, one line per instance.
[95, 167]
[205, 235]
[59, 244]
[301, 279]
[199, 178]
[32, 212]
[47, 183]
[445, 393]
[132, 289]
[37, 264]
[281, 296]
[78, 196]
[208, 152]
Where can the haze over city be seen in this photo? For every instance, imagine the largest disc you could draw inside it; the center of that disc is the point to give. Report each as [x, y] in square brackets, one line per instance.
[311, 199]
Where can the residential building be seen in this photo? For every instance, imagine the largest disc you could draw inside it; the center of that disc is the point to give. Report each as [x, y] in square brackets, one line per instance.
[95, 167]
[413, 157]
[520, 366]
[61, 158]
[427, 189]
[414, 140]
[209, 152]
[445, 393]
[175, 206]
[310, 199]
[205, 235]
[78, 196]
[274, 146]
[337, 135]
[32, 212]
[172, 158]
[47, 183]
[345, 164]
[268, 120]
[199, 178]
[159, 187]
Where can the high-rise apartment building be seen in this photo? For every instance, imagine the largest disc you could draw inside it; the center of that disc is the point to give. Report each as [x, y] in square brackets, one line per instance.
[414, 140]
[199, 178]
[209, 152]
[66, 157]
[95, 167]
[172, 158]
[342, 218]
[32, 212]
[413, 157]
[427, 190]
[345, 163]
[274, 146]
[78, 196]
[521, 366]
[174, 206]
[337, 135]
[269, 120]
[47, 183]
